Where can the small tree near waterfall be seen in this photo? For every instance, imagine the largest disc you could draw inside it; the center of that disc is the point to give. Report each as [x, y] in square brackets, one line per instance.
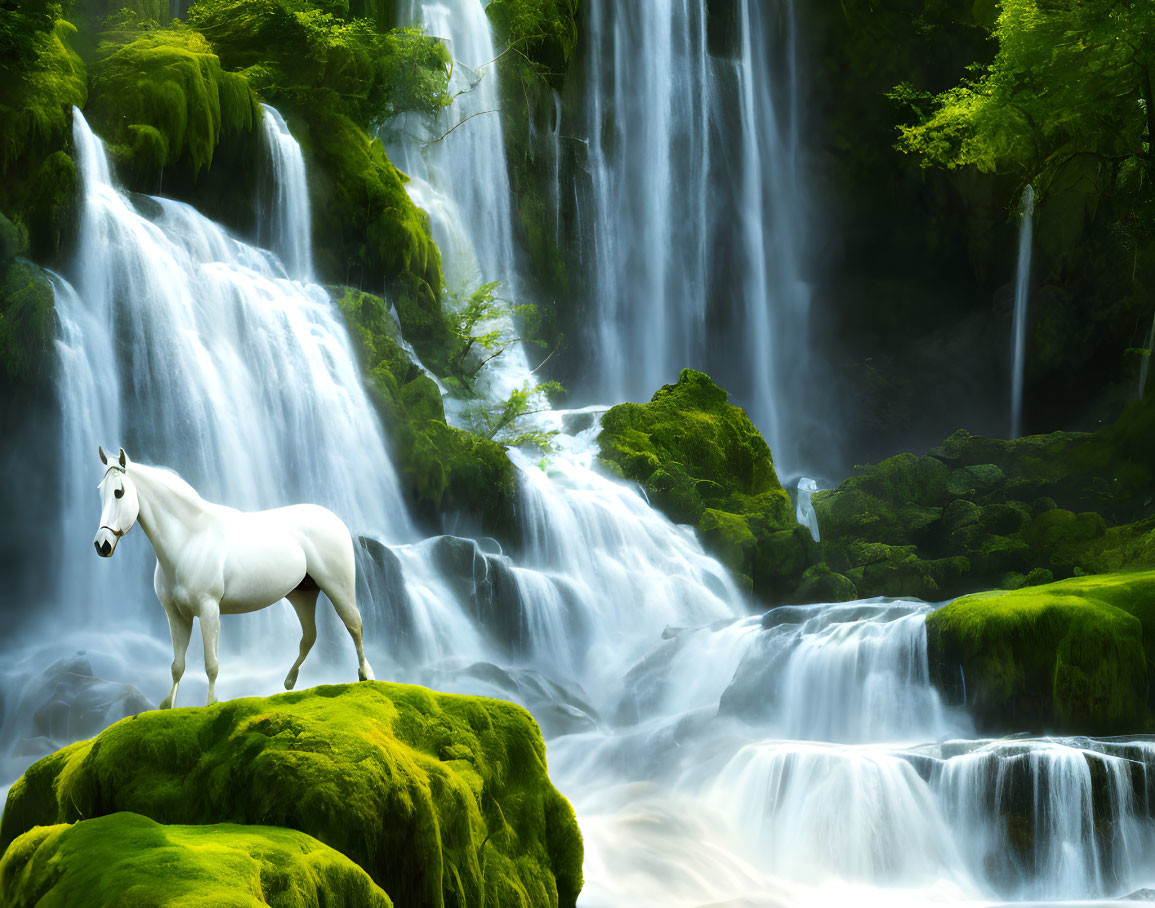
[487, 325]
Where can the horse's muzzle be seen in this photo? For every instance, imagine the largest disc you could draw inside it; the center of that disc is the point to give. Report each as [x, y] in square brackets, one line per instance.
[105, 542]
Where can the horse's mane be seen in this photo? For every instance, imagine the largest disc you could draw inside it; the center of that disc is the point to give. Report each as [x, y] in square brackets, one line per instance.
[172, 482]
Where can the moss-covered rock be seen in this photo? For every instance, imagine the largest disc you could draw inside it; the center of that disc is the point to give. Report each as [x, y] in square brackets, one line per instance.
[38, 187]
[702, 462]
[26, 304]
[1068, 657]
[982, 512]
[160, 98]
[442, 799]
[369, 232]
[124, 859]
[452, 477]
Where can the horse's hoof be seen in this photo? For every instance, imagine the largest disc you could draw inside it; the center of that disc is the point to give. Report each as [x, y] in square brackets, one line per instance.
[290, 680]
[166, 703]
[365, 674]
[210, 701]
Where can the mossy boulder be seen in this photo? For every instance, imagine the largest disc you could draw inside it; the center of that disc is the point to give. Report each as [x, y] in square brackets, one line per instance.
[441, 799]
[1069, 657]
[127, 859]
[702, 462]
[451, 477]
[160, 98]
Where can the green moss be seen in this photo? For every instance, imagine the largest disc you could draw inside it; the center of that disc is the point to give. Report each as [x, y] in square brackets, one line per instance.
[444, 470]
[820, 584]
[442, 799]
[159, 98]
[26, 326]
[125, 859]
[38, 187]
[1073, 656]
[368, 231]
[1009, 508]
[692, 450]
[702, 462]
[536, 39]
[340, 54]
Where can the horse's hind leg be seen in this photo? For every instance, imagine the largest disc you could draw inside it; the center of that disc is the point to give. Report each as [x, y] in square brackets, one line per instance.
[180, 626]
[304, 603]
[210, 617]
[345, 603]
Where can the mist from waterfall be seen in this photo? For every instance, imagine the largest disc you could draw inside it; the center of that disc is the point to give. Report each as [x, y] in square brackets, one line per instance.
[1022, 299]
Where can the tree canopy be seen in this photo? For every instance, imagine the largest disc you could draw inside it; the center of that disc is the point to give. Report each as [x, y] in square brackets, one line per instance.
[1071, 78]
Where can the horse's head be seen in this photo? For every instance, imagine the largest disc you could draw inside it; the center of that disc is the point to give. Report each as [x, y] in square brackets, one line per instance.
[119, 504]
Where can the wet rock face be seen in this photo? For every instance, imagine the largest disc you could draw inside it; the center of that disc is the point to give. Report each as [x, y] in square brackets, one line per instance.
[440, 799]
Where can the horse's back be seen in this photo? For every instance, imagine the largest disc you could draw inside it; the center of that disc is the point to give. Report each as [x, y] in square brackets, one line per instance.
[324, 538]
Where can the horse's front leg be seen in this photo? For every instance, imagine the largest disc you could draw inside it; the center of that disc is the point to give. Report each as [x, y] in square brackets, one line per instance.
[210, 617]
[180, 626]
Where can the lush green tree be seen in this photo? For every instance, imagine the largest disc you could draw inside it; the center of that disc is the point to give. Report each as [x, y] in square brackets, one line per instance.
[1071, 78]
[295, 49]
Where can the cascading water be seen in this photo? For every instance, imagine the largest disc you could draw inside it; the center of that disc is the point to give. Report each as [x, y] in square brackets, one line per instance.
[286, 227]
[691, 244]
[1022, 298]
[711, 756]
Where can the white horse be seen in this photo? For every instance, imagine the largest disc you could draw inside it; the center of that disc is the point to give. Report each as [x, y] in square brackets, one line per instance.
[213, 560]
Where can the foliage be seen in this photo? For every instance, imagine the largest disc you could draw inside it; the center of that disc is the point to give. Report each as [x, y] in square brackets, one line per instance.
[441, 799]
[486, 328]
[509, 422]
[1074, 656]
[124, 858]
[23, 26]
[160, 97]
[295, 50]
[1069, 79]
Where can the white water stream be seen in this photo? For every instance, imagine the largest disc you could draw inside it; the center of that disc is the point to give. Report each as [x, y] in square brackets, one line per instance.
[713, 757]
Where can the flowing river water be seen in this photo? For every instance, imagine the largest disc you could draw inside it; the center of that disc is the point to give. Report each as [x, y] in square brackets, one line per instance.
[714, 756]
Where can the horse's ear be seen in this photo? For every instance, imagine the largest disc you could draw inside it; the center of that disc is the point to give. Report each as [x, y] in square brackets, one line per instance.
[123, 459]
[103, 456]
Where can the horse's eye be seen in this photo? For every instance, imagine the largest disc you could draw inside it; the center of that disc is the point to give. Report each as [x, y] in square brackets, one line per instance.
[119, 493]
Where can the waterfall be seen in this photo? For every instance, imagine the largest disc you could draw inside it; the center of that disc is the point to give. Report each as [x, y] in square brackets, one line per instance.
[1022, 298]
[285, 225]
[693, 242]
[713, 756]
